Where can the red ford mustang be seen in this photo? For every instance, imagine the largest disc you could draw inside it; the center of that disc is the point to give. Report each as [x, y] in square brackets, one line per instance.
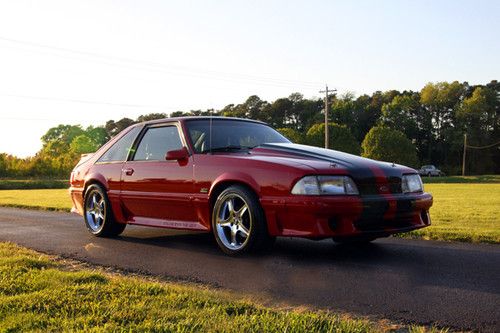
[243, 181]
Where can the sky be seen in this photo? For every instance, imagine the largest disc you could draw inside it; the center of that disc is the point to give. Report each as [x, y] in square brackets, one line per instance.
[85, 62]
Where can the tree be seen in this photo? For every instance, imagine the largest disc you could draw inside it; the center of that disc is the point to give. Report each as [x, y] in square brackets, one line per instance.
[98, 135]
[340, 138]
[479, 117]
[404, 113]
[343, 110]
[178, 114]
[82, 144]
[3, 165]
[291, 134]
[113, 128]
[151, 116]
[385, 144]
[302, 113]
[252, 108]
[57, 139]
[278, 112]
[479, 111]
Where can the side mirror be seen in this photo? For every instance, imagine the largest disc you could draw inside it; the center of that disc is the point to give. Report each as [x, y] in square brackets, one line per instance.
[177, 155]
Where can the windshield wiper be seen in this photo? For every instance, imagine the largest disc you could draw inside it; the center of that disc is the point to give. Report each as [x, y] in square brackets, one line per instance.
[225, 149]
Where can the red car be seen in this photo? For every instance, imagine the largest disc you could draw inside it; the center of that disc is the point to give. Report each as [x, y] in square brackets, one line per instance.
[243, 181]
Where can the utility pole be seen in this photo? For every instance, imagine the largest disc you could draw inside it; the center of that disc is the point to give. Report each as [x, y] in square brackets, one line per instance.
[326, 91]
[463, 158]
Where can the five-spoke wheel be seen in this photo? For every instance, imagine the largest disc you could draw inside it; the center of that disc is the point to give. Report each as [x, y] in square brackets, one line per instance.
[95, 211]
[98, 215]
[238, 221]
[233, 222]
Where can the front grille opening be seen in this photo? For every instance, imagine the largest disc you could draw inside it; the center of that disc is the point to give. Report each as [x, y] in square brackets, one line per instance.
[371, 187]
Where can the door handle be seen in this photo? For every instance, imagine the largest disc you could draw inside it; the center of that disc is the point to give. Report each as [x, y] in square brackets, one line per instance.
[128, 171]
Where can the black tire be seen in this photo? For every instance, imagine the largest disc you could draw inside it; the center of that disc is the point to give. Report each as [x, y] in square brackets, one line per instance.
[354, 240]
[230, 222]
[98, 214]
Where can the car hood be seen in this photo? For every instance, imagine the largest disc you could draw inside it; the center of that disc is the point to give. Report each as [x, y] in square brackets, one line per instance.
[327, 161]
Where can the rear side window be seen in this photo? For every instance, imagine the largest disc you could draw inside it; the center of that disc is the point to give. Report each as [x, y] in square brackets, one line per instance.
[120, 149]
[156, 142]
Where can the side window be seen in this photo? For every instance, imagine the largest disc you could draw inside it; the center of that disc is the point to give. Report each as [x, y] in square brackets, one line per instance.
[120, 149]
[156, 142]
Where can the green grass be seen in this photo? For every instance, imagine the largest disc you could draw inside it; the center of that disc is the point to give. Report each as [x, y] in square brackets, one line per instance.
[463, 179]
[461, 212]
[24, 184]
[52, 199]
[40, 294]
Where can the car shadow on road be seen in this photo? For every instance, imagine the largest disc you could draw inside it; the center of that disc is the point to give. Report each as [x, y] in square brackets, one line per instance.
[416, 260]
[291, 248]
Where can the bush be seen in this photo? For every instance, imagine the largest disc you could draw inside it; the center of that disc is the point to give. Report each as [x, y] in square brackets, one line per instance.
[291, 134]
[340, 138]
[385, 144]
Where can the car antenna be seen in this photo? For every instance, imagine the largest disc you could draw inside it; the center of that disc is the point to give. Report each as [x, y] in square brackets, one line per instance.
[210, 131]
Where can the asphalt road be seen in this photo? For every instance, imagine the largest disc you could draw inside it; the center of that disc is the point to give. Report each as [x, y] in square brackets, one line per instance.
[425, 282]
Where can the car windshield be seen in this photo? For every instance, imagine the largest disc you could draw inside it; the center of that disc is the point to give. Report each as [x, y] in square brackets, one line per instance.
[230, 135]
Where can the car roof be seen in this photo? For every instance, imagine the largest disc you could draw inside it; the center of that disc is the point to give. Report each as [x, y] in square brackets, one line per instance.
[185, 118]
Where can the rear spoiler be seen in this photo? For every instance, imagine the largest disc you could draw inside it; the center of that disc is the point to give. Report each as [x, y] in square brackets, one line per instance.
[84, 158]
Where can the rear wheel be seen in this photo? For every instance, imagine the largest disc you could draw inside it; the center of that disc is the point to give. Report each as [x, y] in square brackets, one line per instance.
[98, 214]
[238, 222]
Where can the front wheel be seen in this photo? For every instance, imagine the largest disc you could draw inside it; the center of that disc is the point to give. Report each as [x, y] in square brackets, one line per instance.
[98, 214]
[238, 222]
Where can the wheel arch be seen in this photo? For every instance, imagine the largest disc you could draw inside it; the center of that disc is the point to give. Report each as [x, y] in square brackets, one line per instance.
[219, 185]
[95, 179]
[98, 179]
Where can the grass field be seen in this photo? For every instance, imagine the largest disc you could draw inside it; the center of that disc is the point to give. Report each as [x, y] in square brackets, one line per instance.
[40, 294]
[49, 199]
[24, 184]
[463, 179]
[461, 212]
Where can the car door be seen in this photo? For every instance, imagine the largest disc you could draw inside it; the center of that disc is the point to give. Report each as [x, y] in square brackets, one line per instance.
[110, 166]
[155, 191]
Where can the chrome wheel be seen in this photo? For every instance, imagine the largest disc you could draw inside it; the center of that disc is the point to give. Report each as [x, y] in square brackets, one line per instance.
[95, 211]
[233, 221]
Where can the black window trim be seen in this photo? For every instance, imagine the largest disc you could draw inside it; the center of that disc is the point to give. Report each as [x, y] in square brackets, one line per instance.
[137, 141]
[114, 143]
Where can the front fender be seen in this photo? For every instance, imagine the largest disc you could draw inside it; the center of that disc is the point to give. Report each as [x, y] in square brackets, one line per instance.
[236, 177]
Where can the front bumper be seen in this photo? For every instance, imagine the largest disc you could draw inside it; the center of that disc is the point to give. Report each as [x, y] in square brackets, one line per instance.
[344, 216]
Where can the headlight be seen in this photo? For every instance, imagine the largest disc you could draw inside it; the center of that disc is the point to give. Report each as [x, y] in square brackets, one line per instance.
[412, 183]
[325, 185]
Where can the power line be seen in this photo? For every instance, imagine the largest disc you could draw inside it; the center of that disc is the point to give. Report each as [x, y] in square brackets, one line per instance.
[168, 68]
[472, 147]
[483, 147]
[169, 72]
[89, 102]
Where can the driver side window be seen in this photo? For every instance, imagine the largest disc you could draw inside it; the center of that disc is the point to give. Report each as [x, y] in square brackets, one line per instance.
[156, 142]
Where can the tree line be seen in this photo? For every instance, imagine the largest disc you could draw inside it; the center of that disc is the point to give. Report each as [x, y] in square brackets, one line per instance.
[407, 127]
